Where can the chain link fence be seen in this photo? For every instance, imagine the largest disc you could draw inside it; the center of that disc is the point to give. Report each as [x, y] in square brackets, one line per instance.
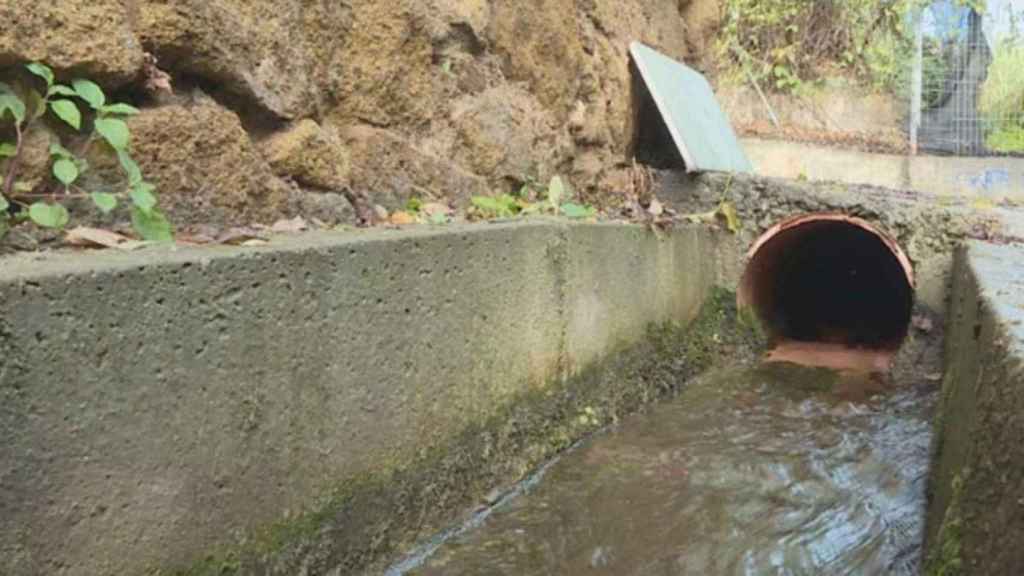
[967, 79]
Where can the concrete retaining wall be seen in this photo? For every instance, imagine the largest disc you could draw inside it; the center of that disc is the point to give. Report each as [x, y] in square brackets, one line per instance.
[161, 410]
[976, 515]
[992, 179]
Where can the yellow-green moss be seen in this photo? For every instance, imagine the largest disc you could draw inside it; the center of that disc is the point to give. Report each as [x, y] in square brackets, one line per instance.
[946, 559]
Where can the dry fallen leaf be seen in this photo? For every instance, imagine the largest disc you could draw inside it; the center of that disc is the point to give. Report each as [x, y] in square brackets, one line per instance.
[655, 209]
[297, 224]
[237, 236]
[433, 208]
[402, 218]
[92, 237]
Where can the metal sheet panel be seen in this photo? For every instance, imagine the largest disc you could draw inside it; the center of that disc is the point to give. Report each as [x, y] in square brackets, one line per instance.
[687, 103]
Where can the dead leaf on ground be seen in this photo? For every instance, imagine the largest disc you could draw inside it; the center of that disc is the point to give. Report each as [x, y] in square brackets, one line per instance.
[402, 218]
[240, 235]
[732, 219]
[656, 208]
[194, 239]
[297, 224]
[433, 208]
[95, 237]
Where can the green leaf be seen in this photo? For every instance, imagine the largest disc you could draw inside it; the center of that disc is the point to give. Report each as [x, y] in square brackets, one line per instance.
[48, 215]
[577, 212]
[556, 189]
[727, 212]
[67, 111]
[41, 70]
[59, 151]
[439, 218]
[7, 150]
[105, 202]
[114, 131]
[485, 203]
[142, 196]
[152, 226]
[120, 110]
[60, 90]
[9, 101]
[66, 171]
[414, 205]
[497, 207]
[3, 208]
[4, 226]
[131, 168]
[90, 92]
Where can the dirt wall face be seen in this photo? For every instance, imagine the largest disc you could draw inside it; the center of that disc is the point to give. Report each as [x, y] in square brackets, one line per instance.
[496, 91]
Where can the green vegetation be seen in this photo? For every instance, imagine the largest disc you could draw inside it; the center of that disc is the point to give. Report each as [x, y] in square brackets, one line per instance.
[1002, 99]
[946, 559]
[530, 200]
[25, 108]
[783, 44]
[790, 45]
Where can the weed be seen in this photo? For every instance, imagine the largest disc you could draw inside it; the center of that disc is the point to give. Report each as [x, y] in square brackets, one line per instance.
[555, 202]
[26, 108]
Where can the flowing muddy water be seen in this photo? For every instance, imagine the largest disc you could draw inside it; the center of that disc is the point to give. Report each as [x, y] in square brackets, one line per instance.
[767, 470]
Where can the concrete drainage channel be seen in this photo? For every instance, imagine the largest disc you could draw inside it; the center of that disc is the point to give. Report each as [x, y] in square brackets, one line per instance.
[323, 404]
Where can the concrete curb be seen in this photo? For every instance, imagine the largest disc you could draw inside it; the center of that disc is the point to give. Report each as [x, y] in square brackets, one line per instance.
[160, 406]
[976, 512]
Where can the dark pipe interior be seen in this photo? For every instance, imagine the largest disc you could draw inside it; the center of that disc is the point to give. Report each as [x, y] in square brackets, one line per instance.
[832, 281]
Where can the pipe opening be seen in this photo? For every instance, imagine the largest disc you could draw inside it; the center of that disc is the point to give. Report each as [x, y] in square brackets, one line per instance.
[829, 279]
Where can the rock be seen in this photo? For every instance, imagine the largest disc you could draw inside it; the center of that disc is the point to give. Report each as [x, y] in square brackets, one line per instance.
[204, 165]
[541, 46]
[34, 170]
[312, 156]
[92, 38]
[279, 56]
[390, 170]
[505, 134]
[328, 207]
[390, 74]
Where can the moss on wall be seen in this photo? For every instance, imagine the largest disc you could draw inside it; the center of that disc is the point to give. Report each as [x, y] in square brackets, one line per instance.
[370, 519]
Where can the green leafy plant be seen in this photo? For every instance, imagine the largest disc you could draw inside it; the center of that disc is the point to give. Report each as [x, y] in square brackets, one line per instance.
[24, 106]
[784, 44]
[556, 201]
[1002, 99]
[503, 206]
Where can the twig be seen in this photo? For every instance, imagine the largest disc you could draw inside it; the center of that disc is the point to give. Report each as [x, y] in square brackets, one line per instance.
[12, 170]
[753, 81]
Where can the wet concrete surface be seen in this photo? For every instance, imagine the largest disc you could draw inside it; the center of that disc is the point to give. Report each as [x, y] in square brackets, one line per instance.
[773, 469]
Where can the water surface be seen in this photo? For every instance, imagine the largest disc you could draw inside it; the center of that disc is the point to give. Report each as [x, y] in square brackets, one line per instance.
[753, 471]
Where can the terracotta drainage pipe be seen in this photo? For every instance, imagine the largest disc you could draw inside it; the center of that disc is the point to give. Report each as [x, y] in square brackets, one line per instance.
[829, 289]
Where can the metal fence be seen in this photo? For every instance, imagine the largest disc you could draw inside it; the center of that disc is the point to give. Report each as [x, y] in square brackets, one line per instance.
[967, 79]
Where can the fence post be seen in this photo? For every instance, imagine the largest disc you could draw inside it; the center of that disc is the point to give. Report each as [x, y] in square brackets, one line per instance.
[917, 79]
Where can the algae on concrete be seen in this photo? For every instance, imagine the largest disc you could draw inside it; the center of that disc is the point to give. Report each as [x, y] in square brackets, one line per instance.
[975, 524]
[369, 519]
